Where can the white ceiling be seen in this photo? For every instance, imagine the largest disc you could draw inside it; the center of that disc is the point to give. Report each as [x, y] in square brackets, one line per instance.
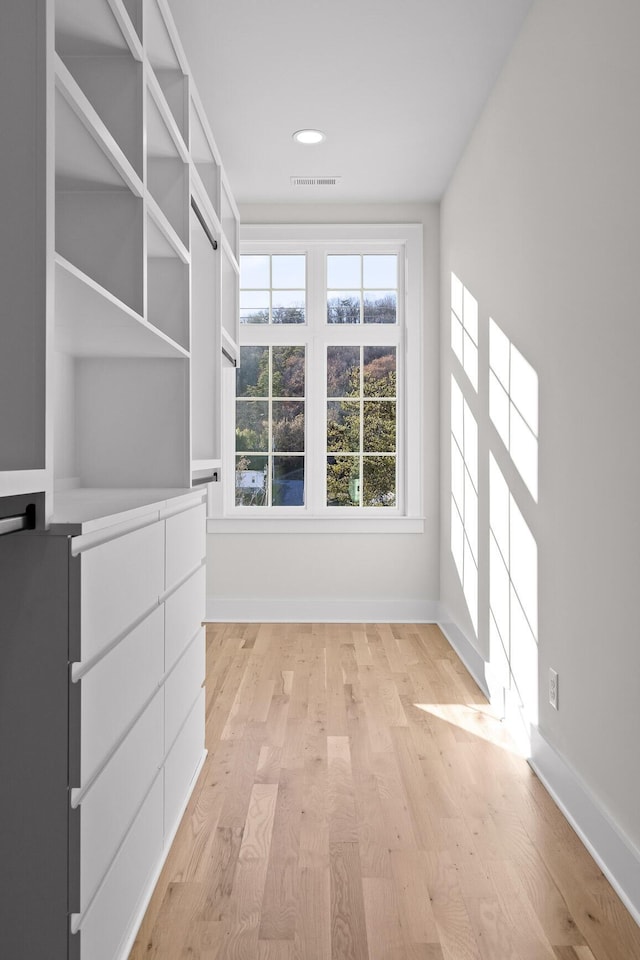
[396, 87]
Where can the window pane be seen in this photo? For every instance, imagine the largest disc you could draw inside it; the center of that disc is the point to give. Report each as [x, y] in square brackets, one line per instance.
[379, 371]
[379, 306]
[380, 270]
[288, 426]
[288, 372]
[379, 476]
[288, 481]
[343, 371]
[252, 425]
[343, 426]
[288, 271]
[254, 272]
[251, 481]
[343, 481]
[254, 306]
[379, 426]
[252, 376]
[287, 306]
[343, 306]
[344, 271]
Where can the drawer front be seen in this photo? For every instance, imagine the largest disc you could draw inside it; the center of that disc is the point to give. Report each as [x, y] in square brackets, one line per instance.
[112, 801]
[186, 543]
[109, 921]
[182, 688]
[180, 766]
[115, 689]
[120, 581]
[184, 613]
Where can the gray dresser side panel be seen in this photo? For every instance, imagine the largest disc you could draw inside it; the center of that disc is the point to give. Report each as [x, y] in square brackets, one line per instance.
[34, 672]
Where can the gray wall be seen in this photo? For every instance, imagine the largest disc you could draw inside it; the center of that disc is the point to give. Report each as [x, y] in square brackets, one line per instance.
[541, 223]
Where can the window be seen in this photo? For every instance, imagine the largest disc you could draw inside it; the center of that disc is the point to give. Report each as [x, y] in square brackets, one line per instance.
[326, 398]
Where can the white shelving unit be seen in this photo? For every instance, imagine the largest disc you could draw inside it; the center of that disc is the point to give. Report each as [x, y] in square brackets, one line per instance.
[124, 273]
[119, 276]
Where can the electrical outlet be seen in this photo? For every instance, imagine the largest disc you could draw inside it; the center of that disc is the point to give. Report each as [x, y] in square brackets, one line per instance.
[553, 688]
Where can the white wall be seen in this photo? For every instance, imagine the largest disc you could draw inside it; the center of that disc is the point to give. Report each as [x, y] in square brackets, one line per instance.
[331, 575]
[542, 223]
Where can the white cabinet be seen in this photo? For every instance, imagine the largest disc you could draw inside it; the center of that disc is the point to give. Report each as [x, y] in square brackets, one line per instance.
[137, 708]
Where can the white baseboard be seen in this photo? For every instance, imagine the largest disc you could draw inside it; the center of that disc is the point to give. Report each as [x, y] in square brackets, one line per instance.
[614, 853]
[467, 653]
[321, 611]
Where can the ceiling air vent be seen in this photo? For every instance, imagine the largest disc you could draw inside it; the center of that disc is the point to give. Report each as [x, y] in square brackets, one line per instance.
[315, 181]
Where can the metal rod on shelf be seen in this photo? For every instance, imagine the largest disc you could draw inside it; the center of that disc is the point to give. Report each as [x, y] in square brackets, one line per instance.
[211, 478]
[232, 360]
[203, 223]
[12, 524]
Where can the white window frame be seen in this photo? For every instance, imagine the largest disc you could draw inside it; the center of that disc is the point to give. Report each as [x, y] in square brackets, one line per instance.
[407, 516]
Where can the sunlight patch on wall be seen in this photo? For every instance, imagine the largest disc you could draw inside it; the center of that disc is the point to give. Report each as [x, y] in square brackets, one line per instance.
[513, 595]
[464, 498]
[513, 404]
[464, 328]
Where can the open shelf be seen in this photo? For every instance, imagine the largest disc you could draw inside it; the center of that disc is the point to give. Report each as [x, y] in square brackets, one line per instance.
[167, 172]
[87, 156]
[229, 316]
[134, 12]
[87, 29]
[112, 84]
[204, 155]
[205, 342]
[229, 217]
[167, 64]
[91, 322]
[168, 298]
[112, 255]
[121, 422]
[99, 207]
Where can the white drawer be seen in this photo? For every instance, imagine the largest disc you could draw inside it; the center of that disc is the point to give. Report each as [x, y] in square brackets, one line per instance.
[111, 802]
[184, 613]
[185, 544]
[182, 688]
[180, 766]
[108, 922]
[121, 580]
[116, 688]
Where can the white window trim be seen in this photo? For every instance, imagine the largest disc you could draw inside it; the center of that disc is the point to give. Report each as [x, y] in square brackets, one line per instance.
[225, 517]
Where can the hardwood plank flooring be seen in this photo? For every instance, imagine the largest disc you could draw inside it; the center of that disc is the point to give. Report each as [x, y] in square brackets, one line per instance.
[360, 801]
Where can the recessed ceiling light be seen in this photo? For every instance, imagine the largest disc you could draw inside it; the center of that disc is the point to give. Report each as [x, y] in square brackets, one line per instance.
[309, 136]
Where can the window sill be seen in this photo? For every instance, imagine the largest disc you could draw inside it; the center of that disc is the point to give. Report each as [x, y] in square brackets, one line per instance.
[307, 525]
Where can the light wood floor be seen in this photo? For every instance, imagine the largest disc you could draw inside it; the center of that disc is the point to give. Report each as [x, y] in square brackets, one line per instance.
[361, 802]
